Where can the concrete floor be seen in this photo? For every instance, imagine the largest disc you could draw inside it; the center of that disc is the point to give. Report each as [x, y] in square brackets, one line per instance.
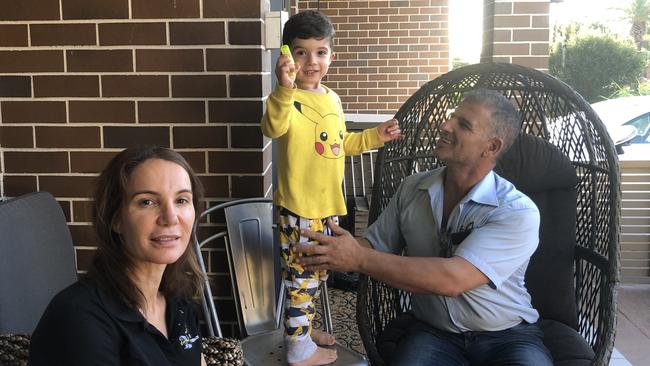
[632, 344]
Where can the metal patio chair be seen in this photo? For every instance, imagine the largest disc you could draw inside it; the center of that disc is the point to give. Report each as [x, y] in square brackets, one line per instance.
[573, 275]
[253, 259]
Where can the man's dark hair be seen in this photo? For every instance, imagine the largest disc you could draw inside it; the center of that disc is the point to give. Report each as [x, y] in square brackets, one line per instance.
[111, 265]
[505, 119]
[308, 24]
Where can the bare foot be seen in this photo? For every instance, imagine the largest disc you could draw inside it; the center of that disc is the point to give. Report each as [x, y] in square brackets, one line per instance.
[322, 356]
[322, 338]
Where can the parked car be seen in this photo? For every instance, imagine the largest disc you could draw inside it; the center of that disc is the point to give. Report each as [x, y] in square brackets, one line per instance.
[627, 119]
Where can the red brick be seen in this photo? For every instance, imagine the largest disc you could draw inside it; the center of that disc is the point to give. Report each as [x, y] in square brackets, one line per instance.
[82, 211]
[35, 162]
[245, 33]
[249, 86]
[105, 111]
[89, 161]
[29, 10]
[200, 137]
[66, 86]
[135, 86]
[15, 86]
[17, 185]
[199, 86]
[171, 112]
[169, 60]
[233, 111]
[115, 34]
[541, 7]
[13, 35]
[236, 162]
[99, 60]
[16, 137]
[511, 21]
[158, 9]
[95, 9]
[190, 33]
[31, 61]
[246, 137]
[82, 235]
[33, 112]
[522, 35]
[62, 34]
[232, 9]
[68, 137]
[235, 59]
[123, 137]
[85, 256]
[196, 159]
[249, 186]
[65, 207]
[532, 62]
[215, 186]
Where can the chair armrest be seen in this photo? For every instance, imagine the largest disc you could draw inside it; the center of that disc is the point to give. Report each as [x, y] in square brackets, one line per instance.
[596, 281]
[14, 349]
[222, 351]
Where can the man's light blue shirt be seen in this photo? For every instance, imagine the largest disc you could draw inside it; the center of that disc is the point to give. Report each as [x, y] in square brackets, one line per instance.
[501, 232]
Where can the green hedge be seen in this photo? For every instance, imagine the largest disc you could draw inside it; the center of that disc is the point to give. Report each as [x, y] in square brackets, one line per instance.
[594, 65]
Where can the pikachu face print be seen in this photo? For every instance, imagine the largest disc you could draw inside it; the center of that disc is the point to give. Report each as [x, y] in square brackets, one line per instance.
[328, 131]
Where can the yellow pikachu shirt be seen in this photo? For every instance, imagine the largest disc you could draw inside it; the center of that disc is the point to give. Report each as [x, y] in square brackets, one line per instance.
[313, 142]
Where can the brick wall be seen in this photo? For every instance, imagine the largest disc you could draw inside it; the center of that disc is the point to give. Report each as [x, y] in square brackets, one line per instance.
[385, 50]
[516, 32]
[82, 79]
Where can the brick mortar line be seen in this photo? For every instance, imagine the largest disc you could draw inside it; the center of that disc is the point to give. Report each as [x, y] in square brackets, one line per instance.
[164, 47]
[129, 21]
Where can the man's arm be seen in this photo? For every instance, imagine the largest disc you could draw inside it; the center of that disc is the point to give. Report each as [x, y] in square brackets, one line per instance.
[342, 252]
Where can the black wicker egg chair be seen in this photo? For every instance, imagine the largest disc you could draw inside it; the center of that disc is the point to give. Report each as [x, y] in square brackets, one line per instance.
[565, 161]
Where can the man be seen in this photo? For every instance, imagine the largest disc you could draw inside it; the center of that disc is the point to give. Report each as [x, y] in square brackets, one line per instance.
[468, 236]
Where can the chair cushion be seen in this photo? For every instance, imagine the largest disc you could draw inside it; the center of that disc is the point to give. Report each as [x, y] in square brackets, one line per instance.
[567, 346]
[547, 176]
[533, 164]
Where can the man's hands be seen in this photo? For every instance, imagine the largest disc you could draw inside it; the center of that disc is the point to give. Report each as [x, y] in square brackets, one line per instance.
[389, 130]
[286, 71]
[341, 252]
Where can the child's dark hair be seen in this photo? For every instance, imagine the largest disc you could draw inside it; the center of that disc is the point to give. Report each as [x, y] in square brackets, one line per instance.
[308, 24]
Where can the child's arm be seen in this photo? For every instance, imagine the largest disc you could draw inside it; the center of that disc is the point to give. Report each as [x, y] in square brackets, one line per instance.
[279, 107]
[389, 130]
[357, 142]
[277, 118]
[286, 68]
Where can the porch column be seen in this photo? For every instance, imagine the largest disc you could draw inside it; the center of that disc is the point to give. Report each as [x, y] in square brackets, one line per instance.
[516, 32]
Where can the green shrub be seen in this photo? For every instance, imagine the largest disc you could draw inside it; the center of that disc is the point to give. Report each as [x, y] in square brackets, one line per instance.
[595, 65]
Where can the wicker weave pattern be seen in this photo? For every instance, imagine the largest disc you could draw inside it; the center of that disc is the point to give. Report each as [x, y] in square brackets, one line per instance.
[551, 110]
[14, 349]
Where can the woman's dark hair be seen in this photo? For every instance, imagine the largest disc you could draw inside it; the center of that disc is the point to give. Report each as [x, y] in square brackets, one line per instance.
[111, 265]
[308, 24]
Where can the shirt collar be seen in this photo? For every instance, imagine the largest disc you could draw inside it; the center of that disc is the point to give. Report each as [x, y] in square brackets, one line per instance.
[118, 308]
[484, 192]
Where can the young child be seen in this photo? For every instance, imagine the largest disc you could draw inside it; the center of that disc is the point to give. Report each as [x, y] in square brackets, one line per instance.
[307, 120]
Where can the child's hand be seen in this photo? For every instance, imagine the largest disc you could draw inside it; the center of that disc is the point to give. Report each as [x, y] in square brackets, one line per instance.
[286, 71]
[389, 130]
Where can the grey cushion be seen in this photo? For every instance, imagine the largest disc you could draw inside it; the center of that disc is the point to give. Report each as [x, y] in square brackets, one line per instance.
[541, 171]
[36, 259]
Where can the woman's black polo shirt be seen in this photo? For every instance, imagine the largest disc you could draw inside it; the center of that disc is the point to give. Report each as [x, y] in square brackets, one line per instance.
[85, 326]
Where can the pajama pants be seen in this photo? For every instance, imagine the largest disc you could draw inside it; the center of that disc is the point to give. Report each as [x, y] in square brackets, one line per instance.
[302, 286]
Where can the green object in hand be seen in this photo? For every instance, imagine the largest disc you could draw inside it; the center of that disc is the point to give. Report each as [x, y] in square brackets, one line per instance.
[287, 52]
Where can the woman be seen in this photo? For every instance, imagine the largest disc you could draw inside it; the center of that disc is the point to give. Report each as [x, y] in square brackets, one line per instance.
[132, 308]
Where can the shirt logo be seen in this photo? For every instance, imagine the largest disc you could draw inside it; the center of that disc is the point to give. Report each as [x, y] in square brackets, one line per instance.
[186, 340]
